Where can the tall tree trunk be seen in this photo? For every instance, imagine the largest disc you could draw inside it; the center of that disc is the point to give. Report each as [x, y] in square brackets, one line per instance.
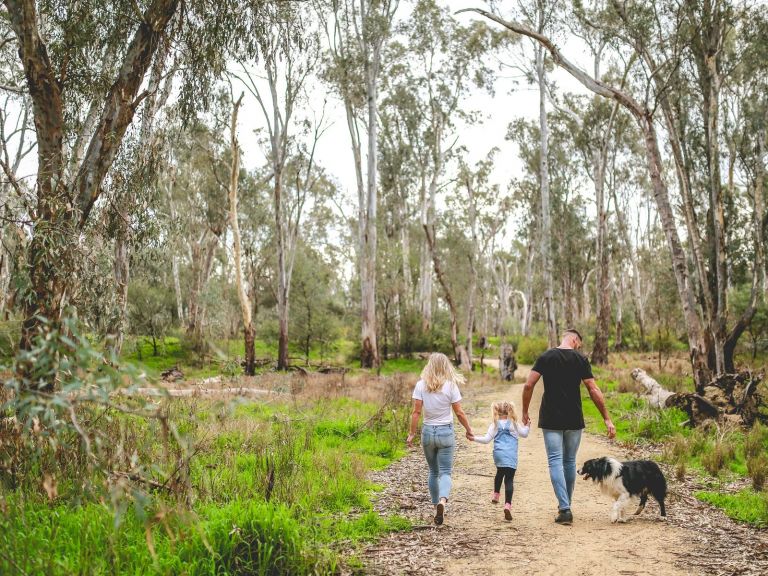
[370, 353]
[528, 300]
[121, 271]
[618, 288]
[545, 241]
[425, 262]
[249, 331]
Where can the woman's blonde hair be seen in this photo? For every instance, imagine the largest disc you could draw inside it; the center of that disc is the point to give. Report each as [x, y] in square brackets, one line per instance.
[508, 408]
[438, 371]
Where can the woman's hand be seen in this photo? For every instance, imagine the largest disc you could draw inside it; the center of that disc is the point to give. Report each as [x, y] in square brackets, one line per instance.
[409, 440]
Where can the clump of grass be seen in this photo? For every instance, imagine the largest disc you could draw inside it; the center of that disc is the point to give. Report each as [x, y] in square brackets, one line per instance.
[680, 471]
[678, 450]
[757, 468]
[755, 442]
[715, 459]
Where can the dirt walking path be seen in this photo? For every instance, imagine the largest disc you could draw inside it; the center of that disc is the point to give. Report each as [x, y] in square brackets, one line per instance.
[476, 540]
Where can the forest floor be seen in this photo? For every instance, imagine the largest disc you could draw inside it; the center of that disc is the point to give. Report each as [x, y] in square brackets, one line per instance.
[475, 539]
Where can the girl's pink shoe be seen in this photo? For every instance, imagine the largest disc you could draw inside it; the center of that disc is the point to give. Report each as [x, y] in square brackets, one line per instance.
[508, 511]
[495, 498]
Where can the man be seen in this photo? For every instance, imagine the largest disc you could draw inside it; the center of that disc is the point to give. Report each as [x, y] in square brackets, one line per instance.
[560, 416]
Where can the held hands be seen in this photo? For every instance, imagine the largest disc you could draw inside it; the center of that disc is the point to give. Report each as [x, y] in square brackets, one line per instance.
[611, 428]
[526, 419]
[470, 436]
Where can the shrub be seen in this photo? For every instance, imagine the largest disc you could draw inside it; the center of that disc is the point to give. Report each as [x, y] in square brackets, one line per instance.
[721, 453]
[530, 348]
[677, 450]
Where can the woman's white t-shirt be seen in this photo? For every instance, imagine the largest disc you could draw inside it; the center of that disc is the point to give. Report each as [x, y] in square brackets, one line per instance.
[437, 405]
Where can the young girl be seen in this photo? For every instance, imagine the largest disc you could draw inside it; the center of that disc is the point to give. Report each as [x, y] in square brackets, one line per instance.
[504, 431]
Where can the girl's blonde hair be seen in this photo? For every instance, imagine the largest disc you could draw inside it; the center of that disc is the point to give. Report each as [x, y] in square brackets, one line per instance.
[508, 408]
[438, 371]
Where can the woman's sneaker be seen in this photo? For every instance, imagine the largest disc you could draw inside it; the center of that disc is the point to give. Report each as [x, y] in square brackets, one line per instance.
[564, 517]
[507, 511]
[495, 498]
[440, 512]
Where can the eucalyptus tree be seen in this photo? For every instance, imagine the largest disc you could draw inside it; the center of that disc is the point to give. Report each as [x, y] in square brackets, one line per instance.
[357, 34]
[85, 66]
[290, 56]
[656, 91]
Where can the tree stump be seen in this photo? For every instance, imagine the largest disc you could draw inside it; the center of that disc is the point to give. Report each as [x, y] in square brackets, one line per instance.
[731, 397]
[507, 363]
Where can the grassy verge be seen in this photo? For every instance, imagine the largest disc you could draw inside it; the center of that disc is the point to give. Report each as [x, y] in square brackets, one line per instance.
[270, 489]
[720, 458]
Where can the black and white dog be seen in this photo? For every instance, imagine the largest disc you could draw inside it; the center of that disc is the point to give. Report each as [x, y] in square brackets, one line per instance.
[623, 480]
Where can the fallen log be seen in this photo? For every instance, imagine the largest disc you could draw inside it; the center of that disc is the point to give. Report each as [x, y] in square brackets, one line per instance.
[193, 392]
[731, 397]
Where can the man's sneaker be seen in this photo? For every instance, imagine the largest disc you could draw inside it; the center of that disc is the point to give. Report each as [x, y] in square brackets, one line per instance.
[564, 517]
[507, 511]
[439, 513]
[495, 498]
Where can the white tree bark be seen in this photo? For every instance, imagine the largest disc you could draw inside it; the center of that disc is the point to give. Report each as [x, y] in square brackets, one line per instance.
[655, 394]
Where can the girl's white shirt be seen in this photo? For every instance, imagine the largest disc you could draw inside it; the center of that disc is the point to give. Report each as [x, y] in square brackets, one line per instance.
[518, 430]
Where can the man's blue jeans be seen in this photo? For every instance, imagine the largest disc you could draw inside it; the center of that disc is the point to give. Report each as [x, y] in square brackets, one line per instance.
[562, 446]
[438, 443]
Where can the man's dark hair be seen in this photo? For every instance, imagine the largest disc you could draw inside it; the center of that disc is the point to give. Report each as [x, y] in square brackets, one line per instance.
[573, 331]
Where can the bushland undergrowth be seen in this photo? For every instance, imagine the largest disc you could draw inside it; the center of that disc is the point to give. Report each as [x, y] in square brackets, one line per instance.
[728, 462]
[95, 481]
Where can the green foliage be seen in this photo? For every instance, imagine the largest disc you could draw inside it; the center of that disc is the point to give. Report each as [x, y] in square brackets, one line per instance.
[402, 365]
[150, 313]
[746, 506]
[10, 333]
[530, 348]
[268, 488]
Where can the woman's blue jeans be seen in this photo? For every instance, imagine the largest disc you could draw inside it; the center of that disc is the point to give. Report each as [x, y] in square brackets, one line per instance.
[562, 446]
[438, 443]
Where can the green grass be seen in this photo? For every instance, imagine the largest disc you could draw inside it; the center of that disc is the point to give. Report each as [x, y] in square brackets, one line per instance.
[745, 506]
[402, 365]
[237, 523]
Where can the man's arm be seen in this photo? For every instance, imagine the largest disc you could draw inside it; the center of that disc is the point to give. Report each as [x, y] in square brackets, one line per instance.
[533, 377]
[597, 398]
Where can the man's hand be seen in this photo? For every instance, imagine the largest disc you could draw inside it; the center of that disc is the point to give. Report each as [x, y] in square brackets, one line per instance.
[611, 428]
[470, 436]
[526, 419]
[409, 440]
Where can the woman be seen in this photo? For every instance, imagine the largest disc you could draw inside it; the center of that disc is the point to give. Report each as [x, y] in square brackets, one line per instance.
[437, 393]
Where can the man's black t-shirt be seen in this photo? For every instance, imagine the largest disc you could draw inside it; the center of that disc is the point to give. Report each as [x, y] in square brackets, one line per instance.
[563, 369]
